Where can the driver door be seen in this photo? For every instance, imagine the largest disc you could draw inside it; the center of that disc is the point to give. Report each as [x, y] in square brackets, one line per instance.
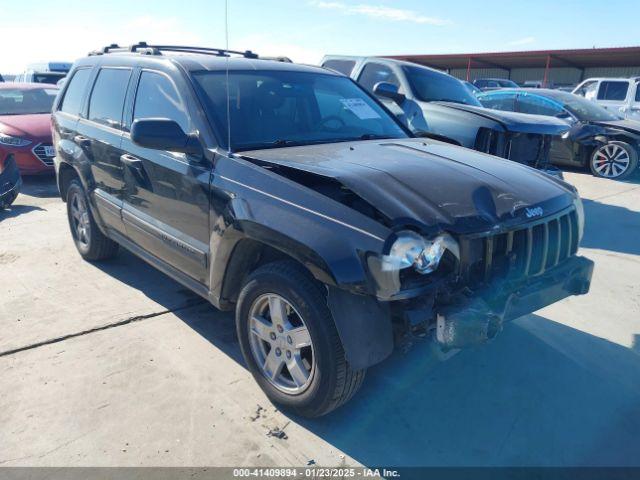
[166, 206]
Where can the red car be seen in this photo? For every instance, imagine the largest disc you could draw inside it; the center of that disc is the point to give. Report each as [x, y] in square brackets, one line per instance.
[25, 126]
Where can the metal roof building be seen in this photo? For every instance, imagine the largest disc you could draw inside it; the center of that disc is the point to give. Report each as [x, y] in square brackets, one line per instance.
[560, 67]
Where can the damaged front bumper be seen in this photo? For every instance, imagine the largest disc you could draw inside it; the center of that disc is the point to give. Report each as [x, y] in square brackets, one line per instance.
[478, 318]
[10, 183]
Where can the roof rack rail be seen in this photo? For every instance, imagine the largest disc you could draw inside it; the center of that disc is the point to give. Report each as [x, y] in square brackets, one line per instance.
[143, 47]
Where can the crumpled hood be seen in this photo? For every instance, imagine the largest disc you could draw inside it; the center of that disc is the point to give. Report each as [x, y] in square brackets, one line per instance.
[36, 125]
[631, 126]
[514, 121]
[435, 185]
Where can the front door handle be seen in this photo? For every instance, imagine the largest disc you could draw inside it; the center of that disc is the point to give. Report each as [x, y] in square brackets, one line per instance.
[131, 161]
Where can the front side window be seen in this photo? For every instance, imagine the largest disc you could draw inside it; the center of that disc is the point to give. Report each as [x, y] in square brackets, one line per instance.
[374, 73]
[505, 101]
[432, 86]
[26, 101]
[107, 97]
[613, 90]
[72, 101]
[588, 90]
[157, 97]
[285, 108]
[343, 66]
[535, 105]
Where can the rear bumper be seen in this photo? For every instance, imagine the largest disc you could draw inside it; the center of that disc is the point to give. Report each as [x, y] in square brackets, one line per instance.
[480, 317]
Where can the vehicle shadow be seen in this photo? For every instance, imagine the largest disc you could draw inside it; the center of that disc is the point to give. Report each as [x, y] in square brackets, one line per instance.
[15, 210]
[540, 394]
[40, 186]
[599, 221]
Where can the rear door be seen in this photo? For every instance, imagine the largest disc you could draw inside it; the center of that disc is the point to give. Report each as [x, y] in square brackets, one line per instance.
[633, 110]
[613, 94]
[99, 135]
[66, 115]
[166, 209]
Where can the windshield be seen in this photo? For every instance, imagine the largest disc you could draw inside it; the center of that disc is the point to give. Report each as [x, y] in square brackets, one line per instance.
[18, 101]
[583, 109]
[51, 78]
[430, 86]
[284, 108]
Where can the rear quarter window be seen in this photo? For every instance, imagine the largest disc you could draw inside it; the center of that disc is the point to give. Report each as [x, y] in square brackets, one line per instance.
[72, 101]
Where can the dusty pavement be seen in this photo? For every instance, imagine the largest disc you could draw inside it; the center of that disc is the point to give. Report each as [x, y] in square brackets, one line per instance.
[119, 365]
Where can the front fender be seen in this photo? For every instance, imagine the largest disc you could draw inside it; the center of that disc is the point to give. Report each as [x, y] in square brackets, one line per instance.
[330, 239]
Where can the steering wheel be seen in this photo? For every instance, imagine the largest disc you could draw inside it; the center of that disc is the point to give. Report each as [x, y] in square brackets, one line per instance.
[325, 123]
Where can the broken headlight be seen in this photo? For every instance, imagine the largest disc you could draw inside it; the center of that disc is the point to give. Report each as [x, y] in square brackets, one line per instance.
[409, 251]
[413, 250]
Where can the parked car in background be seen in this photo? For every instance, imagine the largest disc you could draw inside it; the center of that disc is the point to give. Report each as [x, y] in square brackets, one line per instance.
[433, 103]
[25, 126]
[494, 83]
[471, 87]
[620, 95]
[10, 181]
[50, 72]
[1, 78]
[598, 138]
[289, 194]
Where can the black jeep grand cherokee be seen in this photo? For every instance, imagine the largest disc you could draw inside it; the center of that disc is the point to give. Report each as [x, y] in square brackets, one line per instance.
[313, 212]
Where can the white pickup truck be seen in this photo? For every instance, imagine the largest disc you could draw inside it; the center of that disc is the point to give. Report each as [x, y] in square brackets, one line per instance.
[620, 95]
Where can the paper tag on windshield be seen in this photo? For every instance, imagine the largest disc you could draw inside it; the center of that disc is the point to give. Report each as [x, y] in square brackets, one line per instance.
[359, 108]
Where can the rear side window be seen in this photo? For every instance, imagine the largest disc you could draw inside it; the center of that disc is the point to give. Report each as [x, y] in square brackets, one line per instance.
[72, 101]
[374, 73]
[157, 97]
[637, 92]
[536, 105]
[613, 90]
[343, 66]
[499, 101]
[107, 97]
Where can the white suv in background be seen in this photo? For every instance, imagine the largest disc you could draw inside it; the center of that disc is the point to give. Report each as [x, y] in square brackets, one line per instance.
[621, 95]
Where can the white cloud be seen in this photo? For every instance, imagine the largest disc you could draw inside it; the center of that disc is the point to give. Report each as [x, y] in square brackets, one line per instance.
[523, 41]
[75, 39]
[268, 46]
[382, 12]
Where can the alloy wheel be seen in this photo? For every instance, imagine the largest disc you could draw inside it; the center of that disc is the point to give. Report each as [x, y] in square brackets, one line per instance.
[80, 220]
[281, 344]
[610, 161]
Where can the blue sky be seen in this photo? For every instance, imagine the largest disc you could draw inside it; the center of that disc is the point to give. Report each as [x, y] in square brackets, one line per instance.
[36, 30]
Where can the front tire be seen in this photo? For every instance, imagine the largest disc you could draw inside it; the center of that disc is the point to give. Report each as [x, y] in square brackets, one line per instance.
[290, 343]
[614, 160]
[91, 243]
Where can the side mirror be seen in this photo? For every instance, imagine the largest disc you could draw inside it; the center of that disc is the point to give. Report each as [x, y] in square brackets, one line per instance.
[164, 134]
[388, 90]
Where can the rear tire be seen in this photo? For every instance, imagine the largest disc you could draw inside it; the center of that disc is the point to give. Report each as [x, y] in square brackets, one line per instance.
[614, 160]
[330, 381]
[91, 243]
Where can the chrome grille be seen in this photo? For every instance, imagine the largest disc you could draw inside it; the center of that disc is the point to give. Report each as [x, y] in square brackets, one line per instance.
[39, 151]
[519, 253]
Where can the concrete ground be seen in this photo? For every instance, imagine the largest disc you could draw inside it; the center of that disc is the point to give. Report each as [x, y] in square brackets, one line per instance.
[114, 364]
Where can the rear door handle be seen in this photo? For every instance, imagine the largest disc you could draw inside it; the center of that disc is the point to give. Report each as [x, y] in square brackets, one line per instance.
[82, 140]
